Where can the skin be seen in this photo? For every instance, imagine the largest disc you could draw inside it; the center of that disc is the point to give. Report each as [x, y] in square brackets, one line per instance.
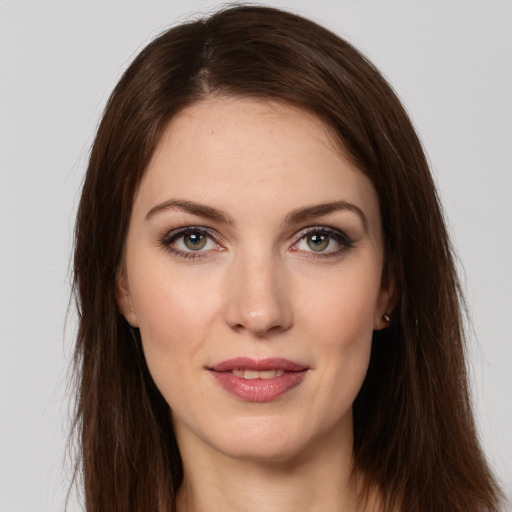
[256, 289]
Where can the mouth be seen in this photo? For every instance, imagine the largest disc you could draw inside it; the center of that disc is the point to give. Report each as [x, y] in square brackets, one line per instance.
[258, 380]
[255, 374]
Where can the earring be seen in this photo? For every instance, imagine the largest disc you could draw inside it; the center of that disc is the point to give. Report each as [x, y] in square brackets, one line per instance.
[386, 318]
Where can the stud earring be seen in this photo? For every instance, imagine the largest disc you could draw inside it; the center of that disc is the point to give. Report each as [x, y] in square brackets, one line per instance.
[386, 318]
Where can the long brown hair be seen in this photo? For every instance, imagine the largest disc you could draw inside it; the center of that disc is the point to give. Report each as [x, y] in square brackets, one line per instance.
[414, 435]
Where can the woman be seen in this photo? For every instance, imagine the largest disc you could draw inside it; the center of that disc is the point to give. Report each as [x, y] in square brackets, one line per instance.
[270, 317]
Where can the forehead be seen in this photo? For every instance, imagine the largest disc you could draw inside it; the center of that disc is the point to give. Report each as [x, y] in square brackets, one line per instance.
[236, 152]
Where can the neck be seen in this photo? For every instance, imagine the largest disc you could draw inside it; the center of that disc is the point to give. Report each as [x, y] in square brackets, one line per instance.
[317, 480]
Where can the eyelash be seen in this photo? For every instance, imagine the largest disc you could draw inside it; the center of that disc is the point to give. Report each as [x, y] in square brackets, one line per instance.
[334, 234]
[176, 234]
[338, 236]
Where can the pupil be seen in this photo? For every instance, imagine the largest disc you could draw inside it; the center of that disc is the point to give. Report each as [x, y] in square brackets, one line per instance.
[318, 242]
[195, 241]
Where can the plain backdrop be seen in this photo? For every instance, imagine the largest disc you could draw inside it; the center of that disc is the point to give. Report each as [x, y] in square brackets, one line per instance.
[450, 62]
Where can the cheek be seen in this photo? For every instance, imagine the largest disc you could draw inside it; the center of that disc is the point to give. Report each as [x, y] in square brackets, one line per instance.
[170, 304]
[344, 345]
[341, 307]
[339, 322]
[175, 316]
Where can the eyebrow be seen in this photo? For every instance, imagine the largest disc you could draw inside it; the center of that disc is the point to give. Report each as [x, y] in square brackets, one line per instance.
[294, 217]
[192, 207]
[310, 212]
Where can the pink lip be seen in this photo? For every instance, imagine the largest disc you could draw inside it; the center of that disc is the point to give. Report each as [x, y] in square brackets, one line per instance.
[258, 390]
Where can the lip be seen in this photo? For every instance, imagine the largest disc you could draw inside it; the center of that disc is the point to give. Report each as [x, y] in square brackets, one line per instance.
[247, 363]
[258, 390]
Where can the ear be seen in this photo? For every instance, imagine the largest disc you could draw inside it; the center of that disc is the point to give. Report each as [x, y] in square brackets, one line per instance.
[123, 297]
[386, 302]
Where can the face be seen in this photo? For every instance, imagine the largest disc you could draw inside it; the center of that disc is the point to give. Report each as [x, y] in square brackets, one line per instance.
[252, 268]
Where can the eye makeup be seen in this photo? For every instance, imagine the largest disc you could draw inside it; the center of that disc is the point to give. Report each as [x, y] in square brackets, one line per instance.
[321, 242]
[190, 242]
[198, 242]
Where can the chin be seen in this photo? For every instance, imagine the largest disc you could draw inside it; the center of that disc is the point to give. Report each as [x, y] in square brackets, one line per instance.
[274, 451]
[275, 442]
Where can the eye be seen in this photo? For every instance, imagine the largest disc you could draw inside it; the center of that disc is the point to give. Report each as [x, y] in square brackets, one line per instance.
[323, 242]
[188, 241]
[318, 241]
[193, 240]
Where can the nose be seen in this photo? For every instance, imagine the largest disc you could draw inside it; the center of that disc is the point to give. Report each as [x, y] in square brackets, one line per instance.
[258, 301]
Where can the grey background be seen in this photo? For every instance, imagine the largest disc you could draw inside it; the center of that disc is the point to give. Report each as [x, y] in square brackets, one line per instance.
[450, 62]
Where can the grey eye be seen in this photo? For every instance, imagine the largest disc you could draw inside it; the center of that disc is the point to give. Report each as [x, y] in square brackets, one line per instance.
[194, 240]
[318, 241]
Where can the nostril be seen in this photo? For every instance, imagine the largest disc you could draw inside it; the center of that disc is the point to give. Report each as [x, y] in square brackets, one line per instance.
[259, 306]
